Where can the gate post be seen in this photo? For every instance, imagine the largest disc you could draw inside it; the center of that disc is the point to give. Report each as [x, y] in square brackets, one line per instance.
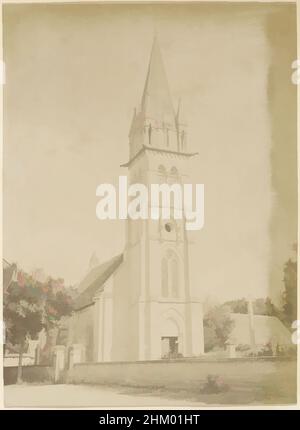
[76, 354]
[59, 363]
[231, 349]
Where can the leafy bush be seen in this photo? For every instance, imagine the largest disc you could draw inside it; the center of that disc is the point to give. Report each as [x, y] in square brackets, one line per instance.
[214, 385]
[242, 347]
[263, 351]
[217, 326]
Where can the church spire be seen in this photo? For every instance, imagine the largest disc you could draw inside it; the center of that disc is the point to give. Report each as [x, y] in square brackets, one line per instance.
[156, 124]
[156, 100]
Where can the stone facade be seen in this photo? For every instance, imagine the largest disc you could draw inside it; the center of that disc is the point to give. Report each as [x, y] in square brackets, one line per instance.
[139, 306]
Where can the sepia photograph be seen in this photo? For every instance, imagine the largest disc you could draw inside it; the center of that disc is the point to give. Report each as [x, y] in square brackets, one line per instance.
[150, 197]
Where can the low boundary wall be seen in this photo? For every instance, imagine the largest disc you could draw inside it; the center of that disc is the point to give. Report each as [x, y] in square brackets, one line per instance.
[191, 374]
[29, 374]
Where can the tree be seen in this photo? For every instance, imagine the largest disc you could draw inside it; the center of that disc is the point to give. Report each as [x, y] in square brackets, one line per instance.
[238, 306]
[23, 314]
[289, 296]
[58, 304]
[265, 306]
[217, 327]
[30, 306]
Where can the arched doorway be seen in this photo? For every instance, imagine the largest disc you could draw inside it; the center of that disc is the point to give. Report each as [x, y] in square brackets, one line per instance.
[170, 339]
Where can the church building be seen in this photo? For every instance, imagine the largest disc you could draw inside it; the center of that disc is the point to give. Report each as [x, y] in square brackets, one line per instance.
[140, 305]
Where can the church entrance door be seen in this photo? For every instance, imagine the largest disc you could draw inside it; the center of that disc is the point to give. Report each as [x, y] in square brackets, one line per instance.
[169, 346]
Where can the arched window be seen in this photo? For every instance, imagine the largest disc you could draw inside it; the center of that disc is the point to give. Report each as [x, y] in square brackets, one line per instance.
[150, 133]
[173, 176]
[170, 275]
[182, 139]
[174, 277]
[164, 277]
[162, 173]
[167, 137]
[161, 169]
[174, 171]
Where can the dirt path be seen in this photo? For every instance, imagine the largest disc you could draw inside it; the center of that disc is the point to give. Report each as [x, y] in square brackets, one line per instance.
[65, 396]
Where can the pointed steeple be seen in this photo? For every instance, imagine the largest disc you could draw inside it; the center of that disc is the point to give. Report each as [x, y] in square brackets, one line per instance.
[155, 124]
[132, 122]
[156, 100]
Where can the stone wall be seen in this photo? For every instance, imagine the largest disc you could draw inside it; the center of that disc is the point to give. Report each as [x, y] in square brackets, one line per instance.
[261, 375]
[29, 374]
[83, 330]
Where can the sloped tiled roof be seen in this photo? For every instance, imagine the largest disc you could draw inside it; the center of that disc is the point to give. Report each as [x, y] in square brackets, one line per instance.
[266, 329]
[94, 281]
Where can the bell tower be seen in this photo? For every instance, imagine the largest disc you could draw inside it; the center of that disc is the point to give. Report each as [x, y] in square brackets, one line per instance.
[165, 316]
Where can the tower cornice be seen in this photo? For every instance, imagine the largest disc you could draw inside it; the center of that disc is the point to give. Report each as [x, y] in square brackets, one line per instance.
[146, 148]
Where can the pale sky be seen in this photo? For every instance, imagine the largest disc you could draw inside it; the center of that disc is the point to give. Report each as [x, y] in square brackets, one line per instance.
[74, 74]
